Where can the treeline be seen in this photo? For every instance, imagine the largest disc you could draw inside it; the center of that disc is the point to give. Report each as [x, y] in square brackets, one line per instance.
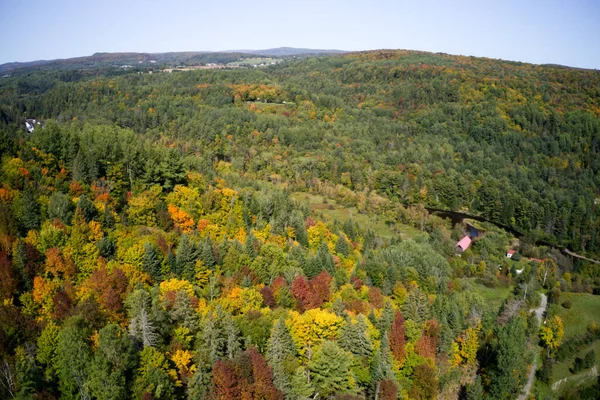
[150, 246]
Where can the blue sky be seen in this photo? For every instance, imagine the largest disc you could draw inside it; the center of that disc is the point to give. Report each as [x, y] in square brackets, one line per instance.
[539, 31]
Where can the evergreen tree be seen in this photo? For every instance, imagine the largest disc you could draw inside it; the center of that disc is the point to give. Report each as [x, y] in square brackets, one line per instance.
[170, 265]
[354, 339]
[281, 351]
[475, 389]
[384, 323]
[416, 306]
[186, 258]
[111, 365]
[330, 370]
[86, 208]
[301, 385]
[342, 247]
[107, 247]
[73, 355]
[152, 377]
[249, 245]
[206, 254]
[381, 365]
[508, 372]
[326, 259]
[19, 262]
[151, 263]
[60, 207]
[198, 386]
[30, 218]
[107, 217]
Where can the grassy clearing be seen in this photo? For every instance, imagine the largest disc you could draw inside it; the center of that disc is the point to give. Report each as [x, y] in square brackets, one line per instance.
[492, 296]
[561, 370]
[585, 309]
[331, 210]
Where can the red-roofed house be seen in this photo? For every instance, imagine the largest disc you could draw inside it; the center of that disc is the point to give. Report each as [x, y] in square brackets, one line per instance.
[510, 253]
[463, 244]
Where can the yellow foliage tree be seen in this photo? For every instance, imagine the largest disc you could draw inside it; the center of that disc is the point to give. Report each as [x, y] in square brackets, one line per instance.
[176, 285]
[552, 332]
[464, 348]
[181, 219]
[312, 327]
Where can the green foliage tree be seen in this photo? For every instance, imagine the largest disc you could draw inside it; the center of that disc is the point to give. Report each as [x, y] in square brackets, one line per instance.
[113, 362]
[330, 370]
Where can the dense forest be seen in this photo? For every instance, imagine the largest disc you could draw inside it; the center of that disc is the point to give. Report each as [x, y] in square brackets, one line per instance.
[261, 233]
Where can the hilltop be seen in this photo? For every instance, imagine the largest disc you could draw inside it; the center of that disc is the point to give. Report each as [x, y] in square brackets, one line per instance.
[98, 60]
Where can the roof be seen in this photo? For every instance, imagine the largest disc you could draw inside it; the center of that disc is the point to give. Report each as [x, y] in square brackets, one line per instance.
[511, 252]
[536, 260]
[464, 243]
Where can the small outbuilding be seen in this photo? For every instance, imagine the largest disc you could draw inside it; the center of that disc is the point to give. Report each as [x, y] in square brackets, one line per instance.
[509, 254]
[463, 244]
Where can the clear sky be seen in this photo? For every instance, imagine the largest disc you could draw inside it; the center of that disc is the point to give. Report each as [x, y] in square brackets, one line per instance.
[539, 31]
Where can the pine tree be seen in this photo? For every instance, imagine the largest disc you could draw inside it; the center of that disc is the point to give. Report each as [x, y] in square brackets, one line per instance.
[280, 346]
[330, 370]
[107, 218]
[19, 262]
[186, 258]
[206, 254]
[381, 365]
[354, 339]
[326, 259]
[301, 385]
[60, 207]
[113, 361]
[170, 264]
[342, 247]
[475, 389]
[30, 218]
[249, 247]
[86, 208]
[416, 307]
[198, 385]
[151, 263]
[384, 323]
[73, 355]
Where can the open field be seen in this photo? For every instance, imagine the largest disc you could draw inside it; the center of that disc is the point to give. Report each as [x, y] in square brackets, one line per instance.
[333, 211]
[585, 309]
[561, 369]
[492, 296]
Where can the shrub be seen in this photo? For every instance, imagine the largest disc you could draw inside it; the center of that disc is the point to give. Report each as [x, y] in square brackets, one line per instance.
[567, 304]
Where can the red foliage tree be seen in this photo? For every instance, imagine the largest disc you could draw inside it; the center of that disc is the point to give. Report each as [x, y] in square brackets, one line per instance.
[225, 381]
[397, 338]
[8, 283]
[301, 292]
[110, 289]
[427, 343]
[319, 288]
[375, 297]
[263, 387]
[388, 390]
[268, 297]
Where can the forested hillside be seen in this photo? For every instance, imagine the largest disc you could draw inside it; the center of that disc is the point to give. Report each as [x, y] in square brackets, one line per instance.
[262, 233]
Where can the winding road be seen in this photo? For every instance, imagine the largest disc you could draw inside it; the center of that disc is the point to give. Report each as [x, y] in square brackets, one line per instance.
[539, 313]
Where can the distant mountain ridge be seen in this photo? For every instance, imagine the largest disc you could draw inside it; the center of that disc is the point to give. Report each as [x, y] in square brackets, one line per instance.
[288, 51]
[132, 58]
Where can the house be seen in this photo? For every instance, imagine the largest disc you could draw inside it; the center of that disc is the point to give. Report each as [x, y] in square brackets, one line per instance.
[463, 244]
[31, 123]
[509, 254]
